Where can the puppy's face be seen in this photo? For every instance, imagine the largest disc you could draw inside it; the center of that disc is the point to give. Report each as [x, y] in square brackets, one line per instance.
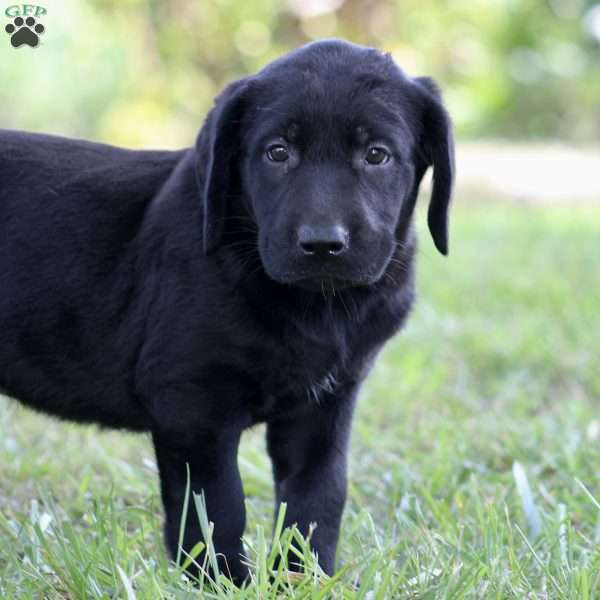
[326, 171]
[330, 153]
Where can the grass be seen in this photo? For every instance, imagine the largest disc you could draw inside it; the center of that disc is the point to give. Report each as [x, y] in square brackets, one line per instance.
[475, 455]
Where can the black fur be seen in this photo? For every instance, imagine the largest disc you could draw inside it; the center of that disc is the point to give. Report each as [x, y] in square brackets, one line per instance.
[195, 293]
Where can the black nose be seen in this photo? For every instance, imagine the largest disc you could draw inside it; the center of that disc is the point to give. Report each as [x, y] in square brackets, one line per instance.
[322, 241]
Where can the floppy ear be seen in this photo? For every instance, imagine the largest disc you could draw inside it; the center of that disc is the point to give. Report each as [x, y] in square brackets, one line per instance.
[217, 148]
[437, 144]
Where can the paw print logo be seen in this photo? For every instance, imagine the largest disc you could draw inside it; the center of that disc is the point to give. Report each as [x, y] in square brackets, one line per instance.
[24, 32]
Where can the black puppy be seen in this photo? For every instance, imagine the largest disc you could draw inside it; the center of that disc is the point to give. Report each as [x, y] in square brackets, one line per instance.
[250, 279]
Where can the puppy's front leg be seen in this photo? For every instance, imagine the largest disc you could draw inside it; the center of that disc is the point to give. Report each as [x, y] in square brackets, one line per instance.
[309, 466]
[212, 460]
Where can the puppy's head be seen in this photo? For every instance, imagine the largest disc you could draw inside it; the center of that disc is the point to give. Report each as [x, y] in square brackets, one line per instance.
[323, 151]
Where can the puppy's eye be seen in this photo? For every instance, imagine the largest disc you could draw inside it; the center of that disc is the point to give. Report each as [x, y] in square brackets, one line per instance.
[278, 153]
[377, 156]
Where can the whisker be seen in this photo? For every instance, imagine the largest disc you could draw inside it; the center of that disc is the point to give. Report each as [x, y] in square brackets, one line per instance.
[341, 295]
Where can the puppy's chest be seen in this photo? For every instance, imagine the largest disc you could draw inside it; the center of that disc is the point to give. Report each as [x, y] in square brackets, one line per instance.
[298, 368]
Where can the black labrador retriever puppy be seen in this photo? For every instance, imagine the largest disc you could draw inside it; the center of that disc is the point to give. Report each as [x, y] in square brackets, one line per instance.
[252, 278]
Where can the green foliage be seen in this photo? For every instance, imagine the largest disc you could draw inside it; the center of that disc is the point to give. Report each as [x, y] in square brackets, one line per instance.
[497, 366]
[144, 73]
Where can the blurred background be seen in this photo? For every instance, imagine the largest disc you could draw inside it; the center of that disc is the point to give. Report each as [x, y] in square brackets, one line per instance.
[143, 73]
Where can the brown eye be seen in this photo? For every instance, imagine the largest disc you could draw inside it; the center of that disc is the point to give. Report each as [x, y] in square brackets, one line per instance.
[278, 153]
[377, 156]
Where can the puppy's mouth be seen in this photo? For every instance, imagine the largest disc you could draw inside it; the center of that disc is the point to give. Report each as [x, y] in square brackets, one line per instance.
[325, 278]
[326, 284]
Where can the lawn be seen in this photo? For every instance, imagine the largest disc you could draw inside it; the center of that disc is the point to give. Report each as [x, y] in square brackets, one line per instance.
[475, 454]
